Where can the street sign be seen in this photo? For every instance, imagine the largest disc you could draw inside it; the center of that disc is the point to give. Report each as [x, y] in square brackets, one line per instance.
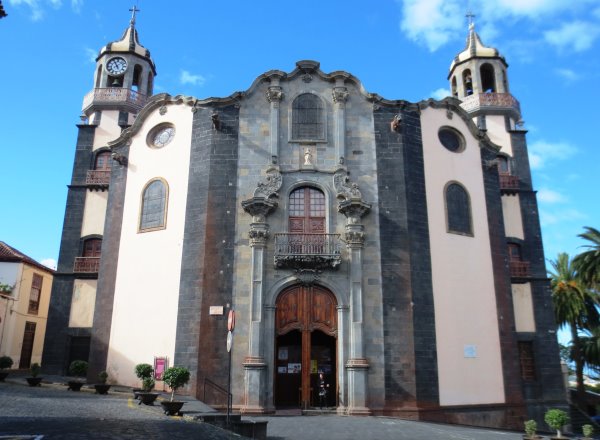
[229, 341]
[231, 320]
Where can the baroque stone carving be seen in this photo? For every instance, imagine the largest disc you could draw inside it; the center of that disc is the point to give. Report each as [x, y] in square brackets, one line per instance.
[274, 94]
[162, 110]
[307, 277]
[354, 238]
[307, 77]
[262, 204]
[344, 188]
[258, 234]
[340, 95]
[271, 185]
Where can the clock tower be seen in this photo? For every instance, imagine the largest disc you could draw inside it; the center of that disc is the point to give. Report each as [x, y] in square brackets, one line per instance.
[123, 82]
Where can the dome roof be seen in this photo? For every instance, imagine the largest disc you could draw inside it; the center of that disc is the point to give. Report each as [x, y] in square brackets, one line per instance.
[475, 49]
[128, 43]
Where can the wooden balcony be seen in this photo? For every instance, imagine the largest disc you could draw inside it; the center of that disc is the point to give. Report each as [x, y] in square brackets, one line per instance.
[114, 97]
[490, 102]
[509, 183]
[86, 265]
[97, 178]
[519, 269]
[307, 251]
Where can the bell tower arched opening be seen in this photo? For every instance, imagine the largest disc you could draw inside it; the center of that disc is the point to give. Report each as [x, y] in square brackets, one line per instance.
[305, 345]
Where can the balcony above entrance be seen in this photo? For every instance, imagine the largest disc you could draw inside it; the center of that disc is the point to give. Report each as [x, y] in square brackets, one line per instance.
[109, 98]
[307, 251]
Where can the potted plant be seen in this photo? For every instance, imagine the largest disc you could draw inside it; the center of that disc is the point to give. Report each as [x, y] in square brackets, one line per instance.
[175, 378]
[530, 429]
[556, 419]
[588, 431]
[5, 362]
[34, 380]
[142, 371]
[146, 396]
[79, 369]
[102, 387]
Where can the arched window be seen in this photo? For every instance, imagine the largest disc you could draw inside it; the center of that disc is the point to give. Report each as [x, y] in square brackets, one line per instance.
[154, 206]
[454, 88]
[137, 77]
[307, 211]
[503, 165]
[458, 209]
[514, 252]
[504, 82]
[467, 82]
[92, 248]
[488, 78]
[98, 76]
[102, 161]
[308, 118]
[150, 85]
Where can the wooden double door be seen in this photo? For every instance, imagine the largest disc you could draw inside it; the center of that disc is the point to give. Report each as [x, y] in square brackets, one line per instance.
[306, 335]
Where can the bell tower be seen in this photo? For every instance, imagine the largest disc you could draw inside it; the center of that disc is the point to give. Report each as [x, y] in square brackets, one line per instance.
[123, 79]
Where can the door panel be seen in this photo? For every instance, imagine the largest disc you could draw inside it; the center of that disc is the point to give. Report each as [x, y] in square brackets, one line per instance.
[27, 347]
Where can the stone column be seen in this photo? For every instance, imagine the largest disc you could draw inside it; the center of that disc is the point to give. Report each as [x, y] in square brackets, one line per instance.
[341, 356]
[340, 95]
[274, 96]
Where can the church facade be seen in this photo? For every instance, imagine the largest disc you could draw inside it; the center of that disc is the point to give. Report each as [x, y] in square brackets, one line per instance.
[393, 246]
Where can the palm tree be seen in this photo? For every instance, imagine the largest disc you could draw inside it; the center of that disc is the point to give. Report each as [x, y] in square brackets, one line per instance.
[588, 263]
[575, 307]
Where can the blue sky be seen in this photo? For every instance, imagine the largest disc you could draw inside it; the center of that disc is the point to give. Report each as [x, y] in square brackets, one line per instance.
[398, 49]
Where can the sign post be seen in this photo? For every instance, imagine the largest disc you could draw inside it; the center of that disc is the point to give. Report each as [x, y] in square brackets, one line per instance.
[230, 327]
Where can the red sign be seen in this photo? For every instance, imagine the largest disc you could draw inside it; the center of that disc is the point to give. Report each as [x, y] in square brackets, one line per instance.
[231, 320]
[160, 365]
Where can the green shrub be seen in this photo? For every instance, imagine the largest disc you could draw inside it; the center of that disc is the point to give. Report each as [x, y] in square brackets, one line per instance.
[5, 362]
[176, 377]
[102, 376]
[556, 419]
[78, 368]
[35, 369]
[530, 428]
[147, 384]
[588, 430]
[143, 370]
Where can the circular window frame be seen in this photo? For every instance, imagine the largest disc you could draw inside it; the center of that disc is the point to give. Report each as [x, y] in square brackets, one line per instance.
[459, 137]
[154, 132]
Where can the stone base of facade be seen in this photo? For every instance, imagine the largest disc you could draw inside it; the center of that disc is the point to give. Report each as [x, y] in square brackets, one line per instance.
[255, 410]
[486, 416]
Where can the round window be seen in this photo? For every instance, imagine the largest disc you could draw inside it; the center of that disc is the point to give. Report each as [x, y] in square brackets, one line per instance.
[451, 139]
[161, 135]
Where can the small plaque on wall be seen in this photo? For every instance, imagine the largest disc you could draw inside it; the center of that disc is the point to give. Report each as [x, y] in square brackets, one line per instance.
[470, 351]
[215, 310]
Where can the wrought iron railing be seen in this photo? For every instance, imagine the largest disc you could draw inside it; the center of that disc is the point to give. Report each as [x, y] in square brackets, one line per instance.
[110, 95]
[487, 100]
[86, 264]
[509, 182]
[307, 250]
[215, 394]
[519, 269]
[97, 177]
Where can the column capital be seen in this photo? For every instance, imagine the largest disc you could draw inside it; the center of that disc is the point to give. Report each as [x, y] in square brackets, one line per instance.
[354, 236]
[258, 234]
[340, 96]
[274, 95]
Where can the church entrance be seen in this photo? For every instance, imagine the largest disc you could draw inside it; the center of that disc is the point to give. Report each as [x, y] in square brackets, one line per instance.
[306, 335]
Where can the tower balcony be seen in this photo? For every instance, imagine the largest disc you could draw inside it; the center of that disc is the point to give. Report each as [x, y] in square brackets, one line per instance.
[509, 184]
[307, 251]
[97, 178]
[491, 102]
[519, 269]
[86, 265]
[113, 98]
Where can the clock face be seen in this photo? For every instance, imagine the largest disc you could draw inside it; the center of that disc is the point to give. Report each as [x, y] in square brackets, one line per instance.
[116, 66]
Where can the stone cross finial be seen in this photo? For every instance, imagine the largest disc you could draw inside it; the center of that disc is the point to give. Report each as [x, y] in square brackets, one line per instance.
[133, 11]
[470, 16]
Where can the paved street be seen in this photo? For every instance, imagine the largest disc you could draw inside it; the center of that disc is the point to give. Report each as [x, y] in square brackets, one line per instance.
[55, 413]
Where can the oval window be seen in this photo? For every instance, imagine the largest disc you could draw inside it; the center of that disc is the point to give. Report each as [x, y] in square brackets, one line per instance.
[451, 139]
[161, 135]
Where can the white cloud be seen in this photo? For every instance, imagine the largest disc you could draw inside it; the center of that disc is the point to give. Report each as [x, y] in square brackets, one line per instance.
[76, 5]
[49, 262]
[560, 216]
[542, 152]
[440, 93]
[432, 22]
[576, 35]
[547, 195]
[37, 6]
[91, 54]
[568, 74]
[189, 78]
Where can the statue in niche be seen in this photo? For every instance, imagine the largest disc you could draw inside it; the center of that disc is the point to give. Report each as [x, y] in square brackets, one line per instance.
[307, 157]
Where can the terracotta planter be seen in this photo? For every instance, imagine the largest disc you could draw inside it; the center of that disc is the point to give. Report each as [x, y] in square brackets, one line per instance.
[34, 381]
[102, 388]
[147, 398]
[172, 408]
[75, 385]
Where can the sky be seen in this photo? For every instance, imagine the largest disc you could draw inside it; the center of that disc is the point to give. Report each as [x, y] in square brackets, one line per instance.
[400, 49]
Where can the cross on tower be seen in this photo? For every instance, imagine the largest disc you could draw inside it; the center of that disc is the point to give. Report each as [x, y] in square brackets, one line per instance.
[470, 16]
[133, 11]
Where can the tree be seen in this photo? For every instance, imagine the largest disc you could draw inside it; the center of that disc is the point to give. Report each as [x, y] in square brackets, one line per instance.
[588, 263]
[574, 307]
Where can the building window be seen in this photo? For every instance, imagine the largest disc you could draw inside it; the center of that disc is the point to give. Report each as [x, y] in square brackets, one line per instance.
[102, 161]
[92, 248]
[458, 209]
[308, 118]
[526, 360]
[451, 139]
[488, 78]
[514, 252]
[36, 293]
[154, 206]
[467, 82]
